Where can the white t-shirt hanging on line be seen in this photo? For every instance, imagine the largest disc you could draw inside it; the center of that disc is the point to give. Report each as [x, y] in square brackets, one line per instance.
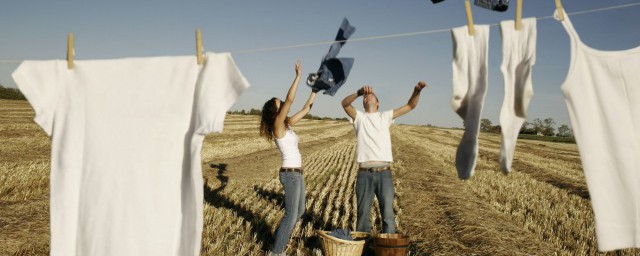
[126, 137]
[374, 139]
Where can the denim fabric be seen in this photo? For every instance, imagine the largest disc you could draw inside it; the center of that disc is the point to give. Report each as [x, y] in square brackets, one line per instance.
[379, 184]
[343, 234]
[333, 72]
[294, 198]
[495, 5]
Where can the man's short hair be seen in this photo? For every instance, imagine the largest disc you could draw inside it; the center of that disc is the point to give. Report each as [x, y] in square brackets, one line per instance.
[374, 95]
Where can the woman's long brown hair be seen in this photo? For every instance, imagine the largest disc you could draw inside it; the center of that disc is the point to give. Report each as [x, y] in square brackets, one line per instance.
[269, 113]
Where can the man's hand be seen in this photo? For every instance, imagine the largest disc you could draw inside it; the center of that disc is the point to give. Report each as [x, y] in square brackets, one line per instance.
[413, 101]
[420, 85]
[365, 90]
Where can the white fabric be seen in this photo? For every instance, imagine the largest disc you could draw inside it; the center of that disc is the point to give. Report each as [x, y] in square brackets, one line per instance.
[288, 146]
[373, 137]
[469, 88]
[126, 139]
[602, 93]
[518, 57]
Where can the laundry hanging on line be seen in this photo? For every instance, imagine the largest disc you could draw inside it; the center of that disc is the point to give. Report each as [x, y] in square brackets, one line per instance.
[518, 58]
[494, 5]
[470, 70]
[333, 71]
[470, 64]
[127, 134]
[602, 94]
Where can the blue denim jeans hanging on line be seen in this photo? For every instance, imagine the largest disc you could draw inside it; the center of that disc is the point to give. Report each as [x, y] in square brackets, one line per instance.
[294, 200]
[379, 184]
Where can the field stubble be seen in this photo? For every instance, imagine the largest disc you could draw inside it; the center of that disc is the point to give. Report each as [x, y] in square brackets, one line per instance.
[542, 208]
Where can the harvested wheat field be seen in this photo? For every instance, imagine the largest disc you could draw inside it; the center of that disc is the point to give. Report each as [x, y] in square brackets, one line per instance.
[542, 208]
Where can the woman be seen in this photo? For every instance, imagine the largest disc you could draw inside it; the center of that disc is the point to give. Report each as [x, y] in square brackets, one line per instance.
[276, 126]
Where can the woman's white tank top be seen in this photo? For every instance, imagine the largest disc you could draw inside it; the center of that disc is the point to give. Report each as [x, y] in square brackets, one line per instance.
[288, 146]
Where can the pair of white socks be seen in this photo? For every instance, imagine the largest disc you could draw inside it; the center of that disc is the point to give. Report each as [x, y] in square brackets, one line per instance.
[470, 65]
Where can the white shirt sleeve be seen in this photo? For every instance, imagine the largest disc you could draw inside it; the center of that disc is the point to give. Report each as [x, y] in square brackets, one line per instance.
[219, 86]
[355, 119]
[38, 81]
[387, 117]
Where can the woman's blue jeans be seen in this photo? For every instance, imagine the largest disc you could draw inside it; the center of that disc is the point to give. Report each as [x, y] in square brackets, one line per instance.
[294, 198]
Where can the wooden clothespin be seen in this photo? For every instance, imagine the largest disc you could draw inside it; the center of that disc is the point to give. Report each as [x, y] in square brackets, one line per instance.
[199, 55]
[560, 10]
[467, 6]
[518, 22]
[70, 51]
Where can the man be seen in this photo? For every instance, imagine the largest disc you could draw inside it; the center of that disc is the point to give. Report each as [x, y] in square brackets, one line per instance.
[373, 154]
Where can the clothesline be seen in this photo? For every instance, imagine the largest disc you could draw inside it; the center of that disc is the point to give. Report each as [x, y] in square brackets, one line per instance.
[285, 47]
[413, 33]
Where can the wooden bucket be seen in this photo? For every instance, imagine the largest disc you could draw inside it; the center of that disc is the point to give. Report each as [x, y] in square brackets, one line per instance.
[391, 245]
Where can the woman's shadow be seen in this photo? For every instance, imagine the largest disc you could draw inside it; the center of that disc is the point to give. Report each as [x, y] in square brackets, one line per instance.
[259, 227]
[222, 167]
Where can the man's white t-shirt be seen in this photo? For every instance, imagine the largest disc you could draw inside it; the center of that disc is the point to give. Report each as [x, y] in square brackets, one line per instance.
[373, 137]
[126, 135]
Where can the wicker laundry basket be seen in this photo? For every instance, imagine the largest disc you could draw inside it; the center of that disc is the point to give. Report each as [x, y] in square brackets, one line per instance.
[332, 246]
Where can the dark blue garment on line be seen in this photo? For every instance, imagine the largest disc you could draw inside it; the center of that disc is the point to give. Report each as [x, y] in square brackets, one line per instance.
[495, 5]
[333, 72]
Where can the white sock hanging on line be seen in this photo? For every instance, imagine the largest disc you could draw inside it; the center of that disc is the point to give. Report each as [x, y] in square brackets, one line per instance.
[518, 57]
[470, 65]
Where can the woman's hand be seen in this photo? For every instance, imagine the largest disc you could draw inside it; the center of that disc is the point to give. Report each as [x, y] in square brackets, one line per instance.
[298, 68]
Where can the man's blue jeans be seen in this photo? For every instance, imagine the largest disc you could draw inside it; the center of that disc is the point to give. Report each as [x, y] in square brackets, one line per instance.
[368, 185]
[294, 198]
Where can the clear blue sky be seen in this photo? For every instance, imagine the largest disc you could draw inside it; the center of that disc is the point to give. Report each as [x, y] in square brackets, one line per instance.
[37, 29]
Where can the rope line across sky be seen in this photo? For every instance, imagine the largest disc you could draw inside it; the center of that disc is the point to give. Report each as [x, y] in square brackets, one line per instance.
[380, 37]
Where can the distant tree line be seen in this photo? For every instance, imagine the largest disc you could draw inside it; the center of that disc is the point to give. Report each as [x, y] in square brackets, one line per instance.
[10, 94]
[544, 127]
[15, 94]
[257, 112]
